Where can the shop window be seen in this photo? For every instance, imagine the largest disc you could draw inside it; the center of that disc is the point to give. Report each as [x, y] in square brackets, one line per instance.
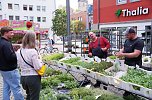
[0, 6]
[38, 8]
[118, 2]
[31, 18]
[43, 19]
[1, 17]
[16, 6]
[25, 18]
[38, 19]
[43, 8]
[10, 6]
[17, 17]
[10, 17]
[24, 7]
[134, 0]
[80, 18]
[30, 7]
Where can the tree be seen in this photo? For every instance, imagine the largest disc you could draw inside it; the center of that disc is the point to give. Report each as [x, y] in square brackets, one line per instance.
[77, 26]
[59, 22]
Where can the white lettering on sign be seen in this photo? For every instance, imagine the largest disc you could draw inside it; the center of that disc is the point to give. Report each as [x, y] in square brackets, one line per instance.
[138, 11]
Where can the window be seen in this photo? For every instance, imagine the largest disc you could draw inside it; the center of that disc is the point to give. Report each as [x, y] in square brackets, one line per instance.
[80, 18]
[25, 18]
[17, 17]
[121, 1]
[10, 17]
[43, 8]
[38, 8]
[31, 18]
[10, 6]
[30, 7]
[38, 19]
[24, 7]
[1, 17]
[43, 19]
[16, 6]
[134, 0]
[0, 6]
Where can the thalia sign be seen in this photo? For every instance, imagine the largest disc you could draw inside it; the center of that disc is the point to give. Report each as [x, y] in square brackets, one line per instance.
[137, 12]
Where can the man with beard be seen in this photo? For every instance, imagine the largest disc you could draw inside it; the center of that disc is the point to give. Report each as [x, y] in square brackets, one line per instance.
[132, 50]
[8, 66]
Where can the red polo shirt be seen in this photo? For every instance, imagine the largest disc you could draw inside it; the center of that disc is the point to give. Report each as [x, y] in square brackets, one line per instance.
[103, 43]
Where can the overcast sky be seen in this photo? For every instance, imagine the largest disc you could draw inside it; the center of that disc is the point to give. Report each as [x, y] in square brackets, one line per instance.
[73, 3]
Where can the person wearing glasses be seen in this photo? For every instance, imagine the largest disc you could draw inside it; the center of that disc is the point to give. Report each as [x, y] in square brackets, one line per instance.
[98, 46]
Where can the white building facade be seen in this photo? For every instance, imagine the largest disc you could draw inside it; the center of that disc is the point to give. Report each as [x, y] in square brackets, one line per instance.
[38, 11]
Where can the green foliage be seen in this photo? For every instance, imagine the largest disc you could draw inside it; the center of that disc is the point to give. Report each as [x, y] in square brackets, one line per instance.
[62, 97]
[77, 26]
[71, 60]
[50, 72]
[59, 22]
[78, 93]
[55, 80]
[98, 67]
[132, 97]
[71, 84]
[47, 94]
[55, 56]
[109, 97]
[112, 57]
[138, 77]
[89, 98]
[145, 59]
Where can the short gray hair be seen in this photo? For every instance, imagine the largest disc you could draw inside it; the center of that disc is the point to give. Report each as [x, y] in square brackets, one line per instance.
[28, 40]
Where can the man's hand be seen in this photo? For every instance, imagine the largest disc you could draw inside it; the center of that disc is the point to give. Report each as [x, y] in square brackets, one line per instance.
[90, 55]
[119, 54]
[104, 49]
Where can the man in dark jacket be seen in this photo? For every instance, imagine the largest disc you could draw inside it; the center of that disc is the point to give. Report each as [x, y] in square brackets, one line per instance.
[8, 66]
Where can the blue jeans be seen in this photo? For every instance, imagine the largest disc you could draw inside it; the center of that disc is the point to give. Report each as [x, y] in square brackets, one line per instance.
[11, 82]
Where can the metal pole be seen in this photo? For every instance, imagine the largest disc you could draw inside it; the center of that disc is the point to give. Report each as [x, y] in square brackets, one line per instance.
[98, 14]
[151, 40]
[87, 17]
[68, 24]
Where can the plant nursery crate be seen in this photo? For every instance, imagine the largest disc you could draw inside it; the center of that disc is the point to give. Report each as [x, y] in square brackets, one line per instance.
[147, 64]
[76, 68]
[54, 62]
[90, 73]
[138, 89]
[147, 92]
[80, 69]
[115, 82]
[49, 62]
[103, 78]
[73, 68]
[119, 83]
[62, 65]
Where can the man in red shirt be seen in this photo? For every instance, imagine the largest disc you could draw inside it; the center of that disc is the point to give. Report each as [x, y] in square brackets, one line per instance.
[98, 46]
